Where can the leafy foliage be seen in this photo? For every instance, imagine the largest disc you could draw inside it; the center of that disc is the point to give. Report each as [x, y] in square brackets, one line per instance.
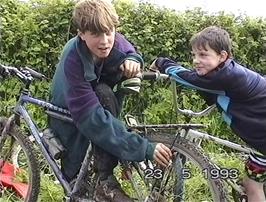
[34, 33]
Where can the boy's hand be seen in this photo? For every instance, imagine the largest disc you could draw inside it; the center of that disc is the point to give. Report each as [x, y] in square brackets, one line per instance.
[153, 66]
[130, 68]
[162, 155]
[158, 64]
[4, 72]
[162, 64]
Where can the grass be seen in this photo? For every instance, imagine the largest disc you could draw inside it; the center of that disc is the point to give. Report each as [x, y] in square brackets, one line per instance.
[53, 192]
[50, 190]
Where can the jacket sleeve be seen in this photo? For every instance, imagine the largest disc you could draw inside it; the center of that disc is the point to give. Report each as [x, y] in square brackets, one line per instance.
[123, 45]
[209, 98]
[211, 83]
[98, 124]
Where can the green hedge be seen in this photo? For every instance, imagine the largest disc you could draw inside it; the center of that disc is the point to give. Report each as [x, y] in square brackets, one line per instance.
[34, 33]
[164, 32]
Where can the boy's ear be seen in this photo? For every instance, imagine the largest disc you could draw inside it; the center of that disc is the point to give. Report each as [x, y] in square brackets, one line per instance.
[80, 34]
[224, 56]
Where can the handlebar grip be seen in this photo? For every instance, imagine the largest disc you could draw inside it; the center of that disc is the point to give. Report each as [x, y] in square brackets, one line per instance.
[150, 75]
[34, 73]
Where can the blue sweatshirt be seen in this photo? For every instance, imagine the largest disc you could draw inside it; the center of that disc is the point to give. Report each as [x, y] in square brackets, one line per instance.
[239, 92]
[72, 89]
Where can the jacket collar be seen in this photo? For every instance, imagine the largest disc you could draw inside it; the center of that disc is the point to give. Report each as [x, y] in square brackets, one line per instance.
[86, 59]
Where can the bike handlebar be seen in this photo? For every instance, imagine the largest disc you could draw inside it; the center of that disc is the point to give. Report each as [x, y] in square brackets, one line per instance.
[153, 76]
[191, 113]
[157, 76]
[24, 73]
[35, 74]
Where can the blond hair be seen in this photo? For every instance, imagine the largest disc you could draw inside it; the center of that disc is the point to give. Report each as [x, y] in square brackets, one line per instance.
[96, 16]
[216, 38]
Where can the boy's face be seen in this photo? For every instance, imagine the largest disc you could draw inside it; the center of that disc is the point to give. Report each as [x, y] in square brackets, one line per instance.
[206, 59]
[100, 44]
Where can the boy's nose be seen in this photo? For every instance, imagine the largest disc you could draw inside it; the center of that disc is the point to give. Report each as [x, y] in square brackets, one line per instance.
[104, 38]
[195, 60]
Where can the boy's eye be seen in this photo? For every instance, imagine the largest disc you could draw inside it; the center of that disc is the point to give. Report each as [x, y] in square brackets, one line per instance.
[193, 55]
[96, 34]
[108, 33]
[202, 54]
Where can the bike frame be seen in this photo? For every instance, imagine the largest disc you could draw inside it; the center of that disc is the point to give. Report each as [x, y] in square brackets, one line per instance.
[191, 134]
[21, 110]
[26, 75]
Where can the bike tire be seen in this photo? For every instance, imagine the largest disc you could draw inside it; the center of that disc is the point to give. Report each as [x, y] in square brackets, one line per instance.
[28, 171]
[194, 155]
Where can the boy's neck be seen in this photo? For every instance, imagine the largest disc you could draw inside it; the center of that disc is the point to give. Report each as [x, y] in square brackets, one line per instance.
[96, 60]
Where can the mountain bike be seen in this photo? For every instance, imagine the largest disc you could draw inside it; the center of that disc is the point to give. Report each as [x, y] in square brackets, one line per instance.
[148, 182]
[230, 176]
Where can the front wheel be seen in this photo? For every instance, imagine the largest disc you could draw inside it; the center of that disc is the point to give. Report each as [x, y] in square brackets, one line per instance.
[188, 178]
[19, 181]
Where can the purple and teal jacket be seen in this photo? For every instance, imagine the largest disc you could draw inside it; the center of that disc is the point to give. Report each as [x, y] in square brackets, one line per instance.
[72, 89]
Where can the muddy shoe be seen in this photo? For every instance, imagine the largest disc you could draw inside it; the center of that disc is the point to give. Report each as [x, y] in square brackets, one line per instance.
[109, 190]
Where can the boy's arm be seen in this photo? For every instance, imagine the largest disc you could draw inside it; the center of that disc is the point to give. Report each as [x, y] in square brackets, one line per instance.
[123, 45]
[163, 63]
[189, 78]
[3, 72]
[209, 98]
[131, 63]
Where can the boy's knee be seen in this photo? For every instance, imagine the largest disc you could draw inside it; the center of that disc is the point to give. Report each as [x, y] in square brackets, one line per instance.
[107, 98]
[103, 90]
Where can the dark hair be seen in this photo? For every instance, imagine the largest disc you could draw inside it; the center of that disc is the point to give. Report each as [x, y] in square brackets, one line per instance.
[216, 38]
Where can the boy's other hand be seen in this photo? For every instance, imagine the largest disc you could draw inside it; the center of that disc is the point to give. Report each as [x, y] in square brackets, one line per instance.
[158, 64]
[162, 154]
[4, 72]
[130, 68]
[162, 64]
[153, 66]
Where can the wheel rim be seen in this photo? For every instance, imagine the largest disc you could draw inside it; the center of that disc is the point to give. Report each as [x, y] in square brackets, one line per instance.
[195, 187]
[16, 171]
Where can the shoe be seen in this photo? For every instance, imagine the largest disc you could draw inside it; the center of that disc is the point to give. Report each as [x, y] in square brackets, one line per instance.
[109, 190]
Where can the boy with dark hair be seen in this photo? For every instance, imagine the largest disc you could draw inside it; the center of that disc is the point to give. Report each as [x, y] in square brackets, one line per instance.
[238, 92]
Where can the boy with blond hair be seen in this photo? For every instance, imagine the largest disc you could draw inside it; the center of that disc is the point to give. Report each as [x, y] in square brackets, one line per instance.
[91, 64]
[238, 92]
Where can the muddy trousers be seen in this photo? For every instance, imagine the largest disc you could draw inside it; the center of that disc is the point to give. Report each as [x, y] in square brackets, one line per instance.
[78, 144]
[104, 161]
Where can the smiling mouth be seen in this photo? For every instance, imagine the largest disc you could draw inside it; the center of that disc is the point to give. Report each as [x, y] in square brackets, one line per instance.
[104, 49]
